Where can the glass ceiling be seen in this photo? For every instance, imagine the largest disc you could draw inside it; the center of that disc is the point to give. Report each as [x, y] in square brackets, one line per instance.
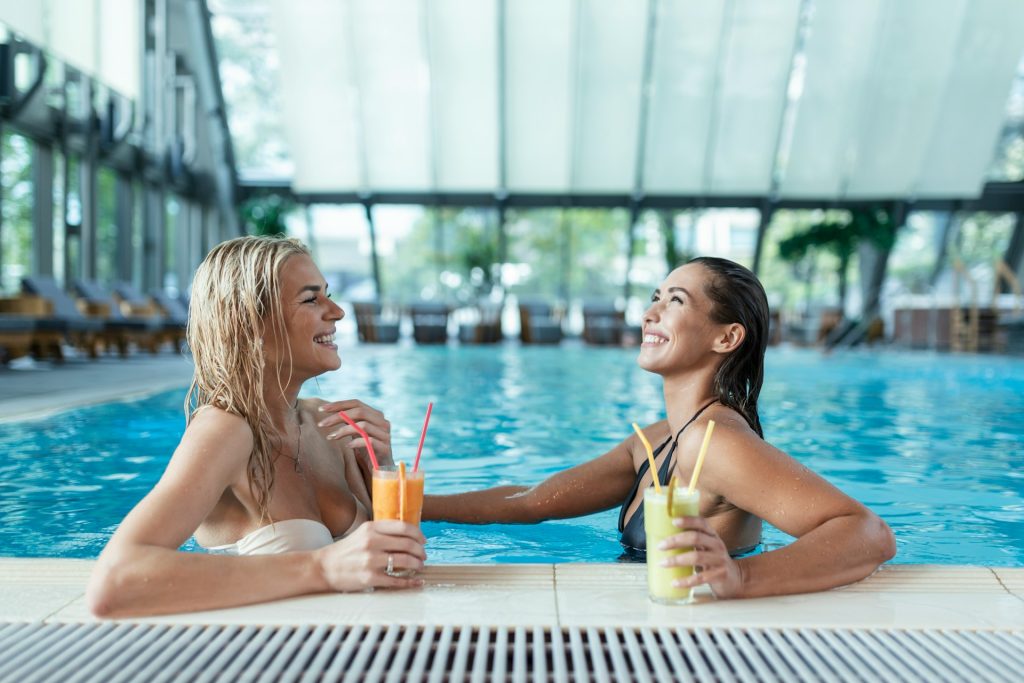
[821, 99]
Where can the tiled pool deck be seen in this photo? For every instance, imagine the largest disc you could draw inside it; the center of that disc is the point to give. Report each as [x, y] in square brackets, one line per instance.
[564, 595]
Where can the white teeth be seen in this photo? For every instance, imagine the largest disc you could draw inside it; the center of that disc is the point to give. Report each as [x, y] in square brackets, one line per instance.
[654, 339]
[325, 339]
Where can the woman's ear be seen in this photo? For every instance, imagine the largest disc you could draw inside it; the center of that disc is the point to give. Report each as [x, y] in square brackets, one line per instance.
[730, 338]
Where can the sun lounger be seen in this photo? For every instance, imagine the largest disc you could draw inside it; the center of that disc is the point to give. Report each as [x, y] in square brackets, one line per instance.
[118, 327]
[62, 317]
[371, 325]
[603, 324]
[429, 322]
[539, 323]
[486, 329]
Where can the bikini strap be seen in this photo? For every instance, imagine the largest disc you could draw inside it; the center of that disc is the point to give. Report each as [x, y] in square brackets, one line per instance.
[695, 416]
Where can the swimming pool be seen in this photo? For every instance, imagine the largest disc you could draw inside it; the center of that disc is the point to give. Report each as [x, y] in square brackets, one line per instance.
[931, 442]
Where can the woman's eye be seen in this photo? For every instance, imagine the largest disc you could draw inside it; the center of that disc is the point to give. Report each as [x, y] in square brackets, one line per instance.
[654, 299]
[311, 300]
[677, 300]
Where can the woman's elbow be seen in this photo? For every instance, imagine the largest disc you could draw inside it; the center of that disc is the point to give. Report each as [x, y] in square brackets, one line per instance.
[882, 540]
[106, 586]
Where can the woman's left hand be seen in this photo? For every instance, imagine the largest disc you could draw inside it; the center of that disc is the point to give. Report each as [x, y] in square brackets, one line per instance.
[706, 552]
[369, 419]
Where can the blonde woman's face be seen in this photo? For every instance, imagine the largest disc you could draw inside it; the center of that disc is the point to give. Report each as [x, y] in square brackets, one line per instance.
[309, 317]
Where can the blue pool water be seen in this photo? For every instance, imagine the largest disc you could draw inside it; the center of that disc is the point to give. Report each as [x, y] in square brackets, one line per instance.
[933, 443]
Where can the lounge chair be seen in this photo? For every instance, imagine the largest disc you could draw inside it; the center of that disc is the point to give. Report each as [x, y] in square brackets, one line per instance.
[429, 322]
[603, 323]
[371, 324]
[121, 325]
[15, 336]
[486, 330]
[61, 318]
[539, 323]
[172, 323]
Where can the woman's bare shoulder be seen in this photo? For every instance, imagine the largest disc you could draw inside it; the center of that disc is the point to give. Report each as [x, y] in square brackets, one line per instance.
[211, 425]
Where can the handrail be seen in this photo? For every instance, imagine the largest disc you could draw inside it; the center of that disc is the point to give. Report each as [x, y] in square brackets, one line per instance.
[964, 338]
[1003, 272]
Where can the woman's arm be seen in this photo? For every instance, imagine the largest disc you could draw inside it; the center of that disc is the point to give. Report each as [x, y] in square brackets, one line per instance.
[590, 487]
[838, 540]
[142, 572]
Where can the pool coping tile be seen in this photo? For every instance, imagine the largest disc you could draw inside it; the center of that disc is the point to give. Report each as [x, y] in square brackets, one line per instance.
[551, 596]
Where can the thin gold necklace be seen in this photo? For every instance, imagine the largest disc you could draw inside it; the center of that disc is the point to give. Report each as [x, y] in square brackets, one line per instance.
[296, 462]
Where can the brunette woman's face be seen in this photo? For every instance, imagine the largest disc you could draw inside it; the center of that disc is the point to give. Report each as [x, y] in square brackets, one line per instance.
[309, 316]
[678, 333]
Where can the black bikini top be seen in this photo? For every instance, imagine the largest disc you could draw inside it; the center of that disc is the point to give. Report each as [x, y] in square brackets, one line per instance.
[632, 534]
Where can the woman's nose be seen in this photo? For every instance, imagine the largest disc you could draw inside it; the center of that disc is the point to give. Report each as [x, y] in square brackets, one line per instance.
[334, 311]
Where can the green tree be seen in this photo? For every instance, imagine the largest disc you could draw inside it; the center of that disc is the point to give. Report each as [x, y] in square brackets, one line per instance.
[266, 214]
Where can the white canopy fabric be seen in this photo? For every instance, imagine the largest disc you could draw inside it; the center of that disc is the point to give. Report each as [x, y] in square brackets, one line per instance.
[101, 38]
[820, 99]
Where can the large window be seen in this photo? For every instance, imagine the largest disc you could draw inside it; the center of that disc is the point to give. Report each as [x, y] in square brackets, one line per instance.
[106, 226]
[171, 237]
[17, 196]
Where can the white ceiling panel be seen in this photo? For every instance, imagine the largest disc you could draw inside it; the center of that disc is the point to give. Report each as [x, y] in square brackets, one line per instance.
[972, 109]
[686, 49]
[464, 93]
[318, 95]
[539, 94]
[610, 79]
[389, 54]
[838, 59]
[916, 42]
[754, 74]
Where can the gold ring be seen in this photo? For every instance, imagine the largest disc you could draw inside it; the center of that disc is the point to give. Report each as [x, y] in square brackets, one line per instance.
[391, 565]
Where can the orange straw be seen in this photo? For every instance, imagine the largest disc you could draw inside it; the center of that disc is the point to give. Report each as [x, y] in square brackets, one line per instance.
[423, 435]
[369, 445]
[650, 457]
[401, 490]
[700, 456]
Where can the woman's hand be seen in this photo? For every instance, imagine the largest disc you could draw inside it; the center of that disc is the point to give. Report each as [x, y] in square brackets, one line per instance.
[706, 552]
[369, 419]
[360, 560]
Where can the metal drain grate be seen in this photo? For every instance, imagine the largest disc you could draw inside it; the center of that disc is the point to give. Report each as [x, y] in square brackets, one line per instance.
[137, 652]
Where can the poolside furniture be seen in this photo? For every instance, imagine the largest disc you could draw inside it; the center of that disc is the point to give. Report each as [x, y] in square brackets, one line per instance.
[62, 317]
[429, 322]
[487, 327]
[122, 323]
[539, 322]
[603, 323]
[371, 324]
[15, 336]
[172, 322]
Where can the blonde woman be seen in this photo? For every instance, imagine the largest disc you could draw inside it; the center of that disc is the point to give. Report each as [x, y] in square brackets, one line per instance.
[276, 487]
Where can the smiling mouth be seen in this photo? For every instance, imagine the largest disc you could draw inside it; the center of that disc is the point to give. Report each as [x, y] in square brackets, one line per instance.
[654, 339]
[324, 339]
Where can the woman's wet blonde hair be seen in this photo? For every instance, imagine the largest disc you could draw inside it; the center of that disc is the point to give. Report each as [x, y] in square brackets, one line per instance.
[235, 302]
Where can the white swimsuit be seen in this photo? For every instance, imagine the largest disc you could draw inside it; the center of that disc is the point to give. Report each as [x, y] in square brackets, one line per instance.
[286, 536]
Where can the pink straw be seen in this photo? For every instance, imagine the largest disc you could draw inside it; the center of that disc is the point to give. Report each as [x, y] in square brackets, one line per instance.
[423, 435]
[369, 445]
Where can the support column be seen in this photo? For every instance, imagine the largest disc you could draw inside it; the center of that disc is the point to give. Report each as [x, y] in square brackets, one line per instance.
[42, 210]
[948, 228]
[374, 260]
[502, 243]
[767, 212]
[154, 219]
[634, 215]
[565, 248]
[124, 214]
[87, 170]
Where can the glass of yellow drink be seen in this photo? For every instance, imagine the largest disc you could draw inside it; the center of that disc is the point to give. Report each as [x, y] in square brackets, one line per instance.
[658, 526]
[389, 501]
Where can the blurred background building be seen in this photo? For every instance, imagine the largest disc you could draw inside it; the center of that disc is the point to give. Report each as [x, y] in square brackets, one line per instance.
[865, 158]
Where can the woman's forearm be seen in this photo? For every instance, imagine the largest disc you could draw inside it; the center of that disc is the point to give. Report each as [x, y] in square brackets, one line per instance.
[146, 580]
[840, 551]
[501, 504]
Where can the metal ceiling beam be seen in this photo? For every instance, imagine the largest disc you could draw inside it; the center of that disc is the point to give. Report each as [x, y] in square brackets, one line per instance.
[997, 196]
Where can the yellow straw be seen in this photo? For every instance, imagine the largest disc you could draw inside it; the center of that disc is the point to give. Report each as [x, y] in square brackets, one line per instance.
[401, 490]
[700, 456]
[650, 457]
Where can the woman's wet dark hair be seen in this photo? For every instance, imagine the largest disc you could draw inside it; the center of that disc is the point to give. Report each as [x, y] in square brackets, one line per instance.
[738, 297]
